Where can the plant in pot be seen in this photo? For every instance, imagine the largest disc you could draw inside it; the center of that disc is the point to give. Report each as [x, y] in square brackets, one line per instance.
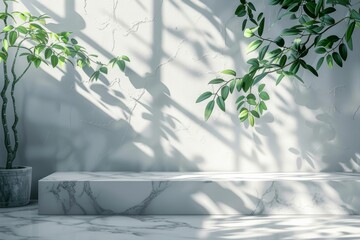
[26, 36]
[310, 29]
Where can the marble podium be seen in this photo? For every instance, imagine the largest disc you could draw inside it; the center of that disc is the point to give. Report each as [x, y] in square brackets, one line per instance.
[125, 193]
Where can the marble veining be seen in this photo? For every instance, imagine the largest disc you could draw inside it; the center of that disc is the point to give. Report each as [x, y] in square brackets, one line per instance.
[197, 176]
[125, 193]
[25, 223]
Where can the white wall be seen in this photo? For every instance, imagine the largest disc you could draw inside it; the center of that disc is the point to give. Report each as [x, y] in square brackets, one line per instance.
[147, 119]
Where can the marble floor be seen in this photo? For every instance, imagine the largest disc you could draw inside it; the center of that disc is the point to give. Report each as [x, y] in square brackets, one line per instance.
[25, 223]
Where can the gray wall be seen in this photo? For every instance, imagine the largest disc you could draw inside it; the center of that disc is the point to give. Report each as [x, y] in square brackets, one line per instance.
[146, 119]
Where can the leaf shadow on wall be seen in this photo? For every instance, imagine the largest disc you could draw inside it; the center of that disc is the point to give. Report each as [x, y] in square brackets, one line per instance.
[328, 138]
[80, 135]
[73, 135]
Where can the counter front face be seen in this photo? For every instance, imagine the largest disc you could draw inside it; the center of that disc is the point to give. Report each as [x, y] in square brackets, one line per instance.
[113, 193]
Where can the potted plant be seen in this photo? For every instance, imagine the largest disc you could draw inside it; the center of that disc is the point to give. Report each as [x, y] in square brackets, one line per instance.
[26, 36]
[310, 29]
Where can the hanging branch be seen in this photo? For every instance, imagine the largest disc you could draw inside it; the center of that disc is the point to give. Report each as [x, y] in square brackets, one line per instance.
[284, 55]
[46, 47]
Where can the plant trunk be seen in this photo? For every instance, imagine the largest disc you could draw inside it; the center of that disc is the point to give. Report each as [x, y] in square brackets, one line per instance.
[7, 142]
[4, 120]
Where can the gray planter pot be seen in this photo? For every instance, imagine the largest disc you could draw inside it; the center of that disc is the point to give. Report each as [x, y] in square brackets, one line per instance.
[15, 186]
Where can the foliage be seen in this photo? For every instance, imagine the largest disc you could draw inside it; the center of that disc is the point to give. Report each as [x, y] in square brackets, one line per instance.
[310, 28]
[26, 36]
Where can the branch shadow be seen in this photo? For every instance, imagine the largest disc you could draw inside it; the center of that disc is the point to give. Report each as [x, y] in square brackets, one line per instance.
[90, 127]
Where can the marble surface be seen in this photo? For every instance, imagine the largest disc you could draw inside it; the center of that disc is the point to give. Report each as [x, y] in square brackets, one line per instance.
[25, 223]
[84, 193]
[196, 176]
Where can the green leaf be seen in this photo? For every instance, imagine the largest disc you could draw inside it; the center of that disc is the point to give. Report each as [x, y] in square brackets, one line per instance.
[328, 20]
[318, 7]
[73, 41]
[104, 70]
[5, 44]
[281, 76]
[343, 51]
[261, 87]
[253, 62]
[240, 11]
[320, 50]
[251, 6]
[263, 52]
[355, 15]
[48, 53]
[262, 107]
[12, 37]
[121, 64]
[95, 75]
[220, 102]
[333, 38]
[312, 70]
[248, 33]
[57, 46]
[22, 29]
[229, 72]
[350, 44]
[294, 68]
[329, 61]
[36, 26]
[251, 101]
[239, 99]
[319, 63]
[255, 114]
[243, 26]
[54, 61]
[232, 85]
[125, 58]
[248, 81]
[274, 53]
[216, 81]
[244, 113]
[254, 45]
[261, 27]
[349, 31]
[290, 32]
[204, 96]
[3, 56]
[239, 105]
[279, 41]
[328, 10]
[337, 58]
[80, 63]
[283, 60]
[251, 96]
[8, 28]
[30, 58]
[225, 92]
[209, 109]
[258, 78]
[251, 120]
[239, 84]
[264, 96]
[22, 16]
[37, 62]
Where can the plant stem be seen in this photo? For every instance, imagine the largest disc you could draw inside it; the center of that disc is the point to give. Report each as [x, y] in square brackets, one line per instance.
[12, 93]
[7, 142]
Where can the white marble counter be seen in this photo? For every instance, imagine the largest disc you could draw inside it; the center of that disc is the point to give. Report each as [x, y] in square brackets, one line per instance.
[196, 176]
[25, 224]
[124, 193]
